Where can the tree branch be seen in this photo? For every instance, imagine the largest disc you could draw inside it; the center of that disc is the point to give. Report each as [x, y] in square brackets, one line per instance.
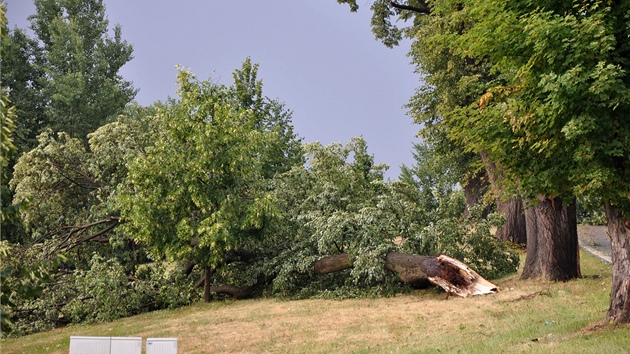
[422, 7]
[91, 183]
[93, 237]
[71, 239]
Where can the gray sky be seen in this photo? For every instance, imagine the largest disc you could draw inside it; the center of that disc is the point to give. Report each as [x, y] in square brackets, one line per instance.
[316, 56]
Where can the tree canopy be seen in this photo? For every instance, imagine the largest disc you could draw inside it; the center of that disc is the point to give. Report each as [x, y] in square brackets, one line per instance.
[200, 188]
[67, 78]
[551, 106]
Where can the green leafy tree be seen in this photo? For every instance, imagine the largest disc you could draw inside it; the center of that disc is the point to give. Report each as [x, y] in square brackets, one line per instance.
[460, 80]
[200, 190]
[75, 229]
[75, 186]
[457, 80]
[22, 75]
[8, 212]
[7, 127]
[560, 121]
[80, 65]
[451, 81]
[328, 207]
[55, 174]
[66, 79]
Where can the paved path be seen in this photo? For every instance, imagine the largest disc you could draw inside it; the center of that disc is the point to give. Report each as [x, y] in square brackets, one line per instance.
[595, 240]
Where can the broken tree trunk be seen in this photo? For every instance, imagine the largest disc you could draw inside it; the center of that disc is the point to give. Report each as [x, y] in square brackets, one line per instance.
[238, 292]
[241, 292]
[448, 273]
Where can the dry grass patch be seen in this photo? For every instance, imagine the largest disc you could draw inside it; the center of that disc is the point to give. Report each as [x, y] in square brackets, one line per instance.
[525, 316]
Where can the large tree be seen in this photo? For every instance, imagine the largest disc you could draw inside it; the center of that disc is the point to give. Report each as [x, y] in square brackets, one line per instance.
[66, 79]
[22, 74]
[449, 82]
[456, 80]
[199, 192]
[80, 64]
[560, 122]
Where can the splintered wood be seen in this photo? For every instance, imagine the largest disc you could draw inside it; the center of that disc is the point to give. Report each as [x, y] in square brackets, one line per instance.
[419, 271]
[456, 278]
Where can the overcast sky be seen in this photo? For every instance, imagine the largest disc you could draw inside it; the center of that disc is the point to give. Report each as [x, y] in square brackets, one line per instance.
[316, 56]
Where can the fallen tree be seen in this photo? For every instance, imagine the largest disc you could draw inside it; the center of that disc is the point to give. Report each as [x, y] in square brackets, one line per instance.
[448, 273]
[417, 271]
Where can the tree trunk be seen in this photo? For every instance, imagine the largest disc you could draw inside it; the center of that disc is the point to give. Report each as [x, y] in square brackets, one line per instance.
[207, 289]
[474, 191]
[417, 271]
[552, 242]
[238, 292]
[618, 230]
[514, 229]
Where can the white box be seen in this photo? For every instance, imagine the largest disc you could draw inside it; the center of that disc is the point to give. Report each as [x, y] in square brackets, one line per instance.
[126, 345]
[89, 345]
[161, 345]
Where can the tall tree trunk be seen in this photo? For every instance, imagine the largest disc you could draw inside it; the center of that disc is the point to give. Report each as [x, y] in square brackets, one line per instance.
[514, 229]
[474, 190]
[552, 242]
[618, 230]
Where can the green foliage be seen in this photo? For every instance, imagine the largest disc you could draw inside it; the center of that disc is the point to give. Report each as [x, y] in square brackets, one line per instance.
[327, 206]
[107, 292]
[23, 75]
[436, 173]
[338, 204]
[558, 122]
[384, 11]
[103, 292]
[74, 188]
[471, 241]
[199, 191]
[8, 117]
[538, 86]
[451, 80]
[55, 174]
[590, 212]
[74, 185]
[23, 278]
[75, 70]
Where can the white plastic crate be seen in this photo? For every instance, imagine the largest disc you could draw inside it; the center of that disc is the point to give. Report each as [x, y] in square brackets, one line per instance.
[161, 345]
[90, 345]
[126, 345]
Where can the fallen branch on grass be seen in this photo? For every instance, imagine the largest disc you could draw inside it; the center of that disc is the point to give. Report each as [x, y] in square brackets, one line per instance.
[448, 273]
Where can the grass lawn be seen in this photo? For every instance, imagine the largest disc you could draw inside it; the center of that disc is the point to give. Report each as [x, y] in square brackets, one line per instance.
[525, 316]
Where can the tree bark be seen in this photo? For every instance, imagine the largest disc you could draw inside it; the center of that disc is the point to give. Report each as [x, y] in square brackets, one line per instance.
[514, 229]
[552, 242]
[332, 264]
[238, 292]
[618, 231]
[474, 190]
[207, 288]
[418, 271]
